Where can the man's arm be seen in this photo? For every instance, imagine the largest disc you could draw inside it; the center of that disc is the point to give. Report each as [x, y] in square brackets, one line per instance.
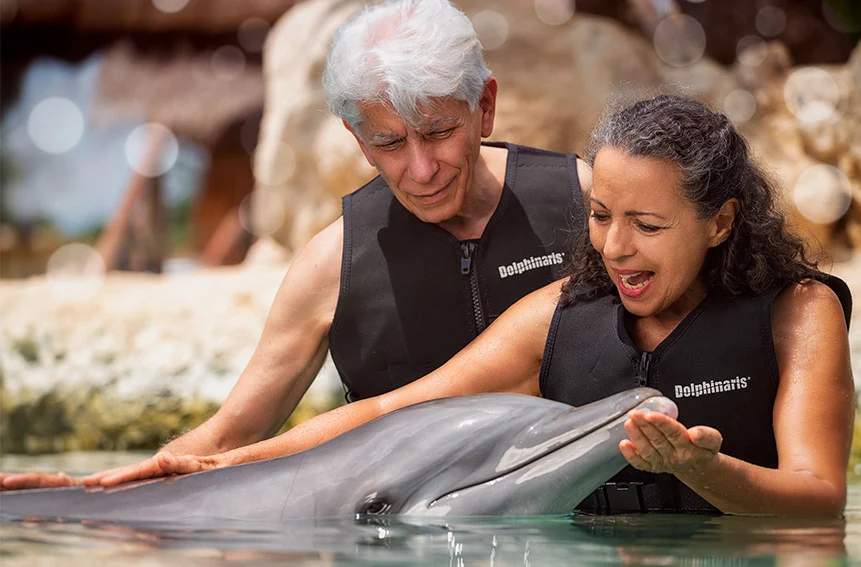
[291, 350]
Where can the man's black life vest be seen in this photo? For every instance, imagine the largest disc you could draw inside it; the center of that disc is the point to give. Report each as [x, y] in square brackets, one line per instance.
[718, 365]
[412, 295]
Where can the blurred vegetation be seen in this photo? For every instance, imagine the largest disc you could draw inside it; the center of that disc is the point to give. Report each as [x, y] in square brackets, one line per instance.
[90, 419]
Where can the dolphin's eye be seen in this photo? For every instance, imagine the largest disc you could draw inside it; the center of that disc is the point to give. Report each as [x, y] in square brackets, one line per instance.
[374, 507]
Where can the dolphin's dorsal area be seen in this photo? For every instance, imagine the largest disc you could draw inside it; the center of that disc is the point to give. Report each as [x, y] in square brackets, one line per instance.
[487, 454]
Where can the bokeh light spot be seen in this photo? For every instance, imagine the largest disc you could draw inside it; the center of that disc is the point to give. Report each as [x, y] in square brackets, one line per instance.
[228, 62]
[274, 164]
[55, 125]
[142, 144]
[491, 28]
[811, 94]
[770, 21]
[252, 34]
[554, 12]
[679, 40]
[751, 50]
[75, 272]
[262, 212]
[170, 6]
[822, 194]
[739, 106]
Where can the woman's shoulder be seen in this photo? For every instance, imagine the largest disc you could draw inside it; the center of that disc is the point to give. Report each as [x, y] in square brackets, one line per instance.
[808, 306]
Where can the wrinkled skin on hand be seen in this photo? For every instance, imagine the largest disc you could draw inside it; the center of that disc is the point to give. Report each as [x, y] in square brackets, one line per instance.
[660, 444]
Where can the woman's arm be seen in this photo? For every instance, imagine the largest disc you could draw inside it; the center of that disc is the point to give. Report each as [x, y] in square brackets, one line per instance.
[504, 358]
[813, 422]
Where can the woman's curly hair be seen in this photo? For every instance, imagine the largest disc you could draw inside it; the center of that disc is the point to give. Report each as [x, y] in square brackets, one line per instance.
[760, 254]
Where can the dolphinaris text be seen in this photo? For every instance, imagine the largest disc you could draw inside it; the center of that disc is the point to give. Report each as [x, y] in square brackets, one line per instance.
[712, 387]
[530, 264]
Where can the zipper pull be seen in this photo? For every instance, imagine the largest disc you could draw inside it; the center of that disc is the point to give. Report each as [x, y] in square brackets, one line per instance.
[642, 374]
[466, 262]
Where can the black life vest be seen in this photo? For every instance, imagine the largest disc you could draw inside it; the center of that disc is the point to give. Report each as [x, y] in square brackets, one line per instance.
[718, 365]
[412, 295]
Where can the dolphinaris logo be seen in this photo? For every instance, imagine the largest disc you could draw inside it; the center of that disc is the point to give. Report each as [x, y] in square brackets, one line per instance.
[705, 388]
[530, 264]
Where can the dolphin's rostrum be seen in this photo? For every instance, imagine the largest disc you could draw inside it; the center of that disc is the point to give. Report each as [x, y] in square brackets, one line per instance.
[486, 454]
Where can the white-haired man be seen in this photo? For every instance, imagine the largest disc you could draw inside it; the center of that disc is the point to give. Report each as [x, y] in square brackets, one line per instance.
[451, 233]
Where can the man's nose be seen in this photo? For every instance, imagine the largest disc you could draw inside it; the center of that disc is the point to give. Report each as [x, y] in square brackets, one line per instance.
[422, 164]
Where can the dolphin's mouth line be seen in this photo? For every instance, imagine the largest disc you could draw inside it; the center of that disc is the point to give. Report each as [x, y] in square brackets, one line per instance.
[532, 460]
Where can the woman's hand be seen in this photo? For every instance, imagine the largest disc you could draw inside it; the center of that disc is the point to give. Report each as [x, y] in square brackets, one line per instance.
[159, 465]
[20, 481]
[660, 444]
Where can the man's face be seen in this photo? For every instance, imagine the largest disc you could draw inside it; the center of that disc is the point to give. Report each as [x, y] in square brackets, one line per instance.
[430, 169]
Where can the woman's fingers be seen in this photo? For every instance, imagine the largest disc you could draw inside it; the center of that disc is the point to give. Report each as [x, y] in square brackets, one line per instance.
[20, 481]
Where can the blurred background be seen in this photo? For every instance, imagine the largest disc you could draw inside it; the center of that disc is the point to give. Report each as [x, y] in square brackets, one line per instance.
[161, 161]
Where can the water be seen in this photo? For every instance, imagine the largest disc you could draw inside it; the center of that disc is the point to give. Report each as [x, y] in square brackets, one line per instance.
[493, 542]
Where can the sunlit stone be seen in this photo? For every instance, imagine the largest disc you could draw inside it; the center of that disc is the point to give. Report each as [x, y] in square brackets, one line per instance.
[554, 12]
[770, 21]
[252, 34]
[170, 6]
[75, 272]
[811, 94]
[491, 28]
[262, 212]
[679, 40]
[147, 138]
[822, 194]
[751, 50]
[739, 106]
[228, 62]
[274, 164]
[55, 125]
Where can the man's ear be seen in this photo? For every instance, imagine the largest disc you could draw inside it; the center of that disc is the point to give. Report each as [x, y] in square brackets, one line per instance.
[487, 104]
[722, 222]
[362, 145]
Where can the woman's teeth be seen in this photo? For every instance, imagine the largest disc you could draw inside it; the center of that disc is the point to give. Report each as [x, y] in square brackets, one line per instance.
[636, 281]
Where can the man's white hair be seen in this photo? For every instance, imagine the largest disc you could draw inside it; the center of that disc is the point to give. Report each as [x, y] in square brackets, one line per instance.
[403, 53]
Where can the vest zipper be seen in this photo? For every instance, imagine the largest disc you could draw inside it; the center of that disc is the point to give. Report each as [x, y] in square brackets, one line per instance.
[642, 370]
[466, 269]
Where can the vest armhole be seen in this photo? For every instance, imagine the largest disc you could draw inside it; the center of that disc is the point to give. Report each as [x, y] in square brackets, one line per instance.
[346, 261]
[548, 348]
[768, 337]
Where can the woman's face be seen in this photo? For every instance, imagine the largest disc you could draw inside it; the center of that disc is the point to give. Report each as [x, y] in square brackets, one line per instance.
[652, 243]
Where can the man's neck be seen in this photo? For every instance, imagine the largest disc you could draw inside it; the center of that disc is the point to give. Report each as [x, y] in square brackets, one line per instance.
[483, 197]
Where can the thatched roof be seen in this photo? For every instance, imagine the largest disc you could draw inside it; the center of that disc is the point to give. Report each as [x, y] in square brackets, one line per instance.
[208, 16]
[184, 90]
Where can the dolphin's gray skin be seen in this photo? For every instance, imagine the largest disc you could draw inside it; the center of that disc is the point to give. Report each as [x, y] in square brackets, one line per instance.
[488, 454]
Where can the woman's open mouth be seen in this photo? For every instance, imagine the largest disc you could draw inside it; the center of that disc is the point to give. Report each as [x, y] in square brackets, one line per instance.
[634, 284]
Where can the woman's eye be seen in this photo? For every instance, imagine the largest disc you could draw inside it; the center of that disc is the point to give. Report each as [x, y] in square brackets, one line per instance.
[599, 217]
[648, 228]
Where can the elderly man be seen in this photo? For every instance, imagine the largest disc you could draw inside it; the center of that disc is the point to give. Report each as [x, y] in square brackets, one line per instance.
[451, 233]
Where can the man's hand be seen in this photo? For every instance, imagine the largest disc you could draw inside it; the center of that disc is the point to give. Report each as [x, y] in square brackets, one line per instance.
[159, 465]
[20, 481]
[660, 444]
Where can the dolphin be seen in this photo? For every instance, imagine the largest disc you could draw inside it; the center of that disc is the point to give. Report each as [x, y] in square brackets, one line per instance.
[477, 455]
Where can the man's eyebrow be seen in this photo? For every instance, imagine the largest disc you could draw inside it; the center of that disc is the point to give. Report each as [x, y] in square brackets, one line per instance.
[439, 123]
[631, 213]
[382, 139]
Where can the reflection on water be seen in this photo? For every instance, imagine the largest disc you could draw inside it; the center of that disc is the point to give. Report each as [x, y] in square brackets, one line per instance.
[496, 542]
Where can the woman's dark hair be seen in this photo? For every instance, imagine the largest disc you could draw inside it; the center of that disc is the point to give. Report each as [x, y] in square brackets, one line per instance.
[760, 253]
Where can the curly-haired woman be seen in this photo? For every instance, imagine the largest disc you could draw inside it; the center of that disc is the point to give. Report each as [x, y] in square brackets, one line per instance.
[689, 282]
